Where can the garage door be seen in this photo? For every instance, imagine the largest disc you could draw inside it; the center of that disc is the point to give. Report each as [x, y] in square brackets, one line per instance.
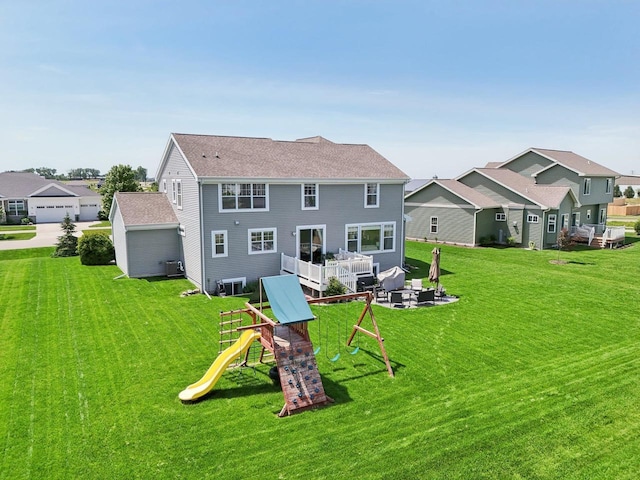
[53, 213]
[89, 211]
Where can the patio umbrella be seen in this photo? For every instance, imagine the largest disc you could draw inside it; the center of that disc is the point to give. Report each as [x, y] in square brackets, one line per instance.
[434, 270]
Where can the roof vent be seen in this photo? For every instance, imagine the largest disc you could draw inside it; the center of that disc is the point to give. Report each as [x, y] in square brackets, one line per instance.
[204, 156]
[217, 156]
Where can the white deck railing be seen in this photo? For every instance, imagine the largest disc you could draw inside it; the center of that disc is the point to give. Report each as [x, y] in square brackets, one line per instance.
[346, 268]
[613, 235]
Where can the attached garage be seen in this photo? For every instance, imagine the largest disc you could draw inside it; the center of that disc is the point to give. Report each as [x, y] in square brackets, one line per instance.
[51, 212]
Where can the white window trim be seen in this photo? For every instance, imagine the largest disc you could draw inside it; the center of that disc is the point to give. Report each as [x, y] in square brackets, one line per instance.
[552, 221]
[565, 220]
[608, 186]
[213, 243]
[431, 225]
[15, 210]
[173, 190]
[243, 280]
[588, 214]
[586, 186]
[164, 185]
[366, 192]
[501, 217]
[602, 216]
[317, 197]
[235, 210]
[533, 218]
[262, 230]
[360, 226]
[179, 194]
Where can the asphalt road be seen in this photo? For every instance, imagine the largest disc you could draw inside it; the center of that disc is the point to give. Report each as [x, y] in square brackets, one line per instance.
[46, 236]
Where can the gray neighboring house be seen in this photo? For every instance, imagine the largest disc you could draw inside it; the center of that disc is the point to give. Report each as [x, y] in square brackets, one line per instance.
[46, 201]
[242, 207]
[528, 199]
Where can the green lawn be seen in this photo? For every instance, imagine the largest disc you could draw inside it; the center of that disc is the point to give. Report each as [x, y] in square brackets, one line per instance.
[17, 236]
[103, 224]
[16, 228]
[534, 373]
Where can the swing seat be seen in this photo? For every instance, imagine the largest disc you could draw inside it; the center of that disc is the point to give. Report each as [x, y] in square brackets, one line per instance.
[355, 351]
[316, 351]
[336, 358]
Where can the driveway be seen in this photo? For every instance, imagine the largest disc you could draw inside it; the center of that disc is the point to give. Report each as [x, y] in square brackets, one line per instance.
[46, 236]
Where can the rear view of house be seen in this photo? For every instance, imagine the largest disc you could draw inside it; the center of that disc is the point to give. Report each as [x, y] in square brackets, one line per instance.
[245, 208]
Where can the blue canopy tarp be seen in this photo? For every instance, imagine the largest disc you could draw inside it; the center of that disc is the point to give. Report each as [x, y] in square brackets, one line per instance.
[286, 299]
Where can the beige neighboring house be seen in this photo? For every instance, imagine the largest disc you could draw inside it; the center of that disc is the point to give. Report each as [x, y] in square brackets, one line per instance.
[625, 181]
[44, 200]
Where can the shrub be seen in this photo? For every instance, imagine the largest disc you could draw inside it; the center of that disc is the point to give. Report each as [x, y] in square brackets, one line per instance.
[636, 227]
[96, 249]
[629, 192]
[335, 288]
[511, 241]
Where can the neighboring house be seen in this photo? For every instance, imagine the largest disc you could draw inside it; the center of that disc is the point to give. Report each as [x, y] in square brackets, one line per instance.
[526, 200]
[626, 181]
[241, 208]
[46, 201]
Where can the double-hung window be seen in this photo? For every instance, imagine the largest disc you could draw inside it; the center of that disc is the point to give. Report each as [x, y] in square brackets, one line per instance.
[551, 224]
[608, 186]
[173, 190]
[309, 196]
[243, 196]
[164, 185]
[219, 246]
[371, 195]
[433, 225]
[179, 193]
[586, 187]
[262, 240]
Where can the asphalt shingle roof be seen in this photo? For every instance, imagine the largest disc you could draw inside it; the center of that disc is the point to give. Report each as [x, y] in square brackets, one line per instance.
[145, 208]
[576, 162]
[22, 185]
[309, 158]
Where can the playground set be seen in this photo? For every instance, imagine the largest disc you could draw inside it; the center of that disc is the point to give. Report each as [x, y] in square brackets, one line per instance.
[284, 338]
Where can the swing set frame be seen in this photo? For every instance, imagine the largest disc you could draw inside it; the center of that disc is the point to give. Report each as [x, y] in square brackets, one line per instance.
[357, 327]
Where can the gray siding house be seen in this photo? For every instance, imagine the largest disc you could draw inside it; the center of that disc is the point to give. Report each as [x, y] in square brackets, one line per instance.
[526, 200]
[244, 204]
[45, 201]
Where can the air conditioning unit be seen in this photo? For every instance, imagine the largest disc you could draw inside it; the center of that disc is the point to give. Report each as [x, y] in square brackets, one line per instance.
[174, 269]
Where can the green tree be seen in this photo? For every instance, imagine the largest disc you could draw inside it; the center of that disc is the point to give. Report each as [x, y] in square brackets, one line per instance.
[565, 241]
[141, 174]
[121, 178]
[67, 245]
[617, 193]
[629, 192]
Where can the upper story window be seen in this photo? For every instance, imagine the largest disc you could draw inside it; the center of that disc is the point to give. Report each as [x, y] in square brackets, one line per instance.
[243, 196]
[586, 187]
[608, 186]
[371, 195]
[533, 218]
[310, 196]
[501, 217]
[173, 190]
[164, 185]
[179, 194]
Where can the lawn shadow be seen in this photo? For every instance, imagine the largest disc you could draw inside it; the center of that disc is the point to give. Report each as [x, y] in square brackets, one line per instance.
[420, 269]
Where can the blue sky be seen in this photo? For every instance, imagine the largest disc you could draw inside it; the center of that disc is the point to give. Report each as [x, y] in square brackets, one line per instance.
[437, 87]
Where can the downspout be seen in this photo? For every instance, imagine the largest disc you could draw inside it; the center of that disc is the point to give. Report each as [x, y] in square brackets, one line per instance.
[475, 225]
[543, 232]
[203, 285]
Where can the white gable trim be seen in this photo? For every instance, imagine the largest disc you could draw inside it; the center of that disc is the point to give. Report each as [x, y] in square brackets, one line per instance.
[54, 185]
[165, 158]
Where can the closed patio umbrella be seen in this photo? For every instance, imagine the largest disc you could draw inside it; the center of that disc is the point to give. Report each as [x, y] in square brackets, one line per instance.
[434, 270]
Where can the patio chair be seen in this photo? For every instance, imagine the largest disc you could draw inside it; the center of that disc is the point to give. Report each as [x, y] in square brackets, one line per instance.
[397, 299]
[425, 296]
[366, 284]
[416, 284]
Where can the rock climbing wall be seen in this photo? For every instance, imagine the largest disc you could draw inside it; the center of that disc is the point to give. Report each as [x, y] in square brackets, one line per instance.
[301, 383]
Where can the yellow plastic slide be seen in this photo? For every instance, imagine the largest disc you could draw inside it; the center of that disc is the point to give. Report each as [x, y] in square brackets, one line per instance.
[207, 382]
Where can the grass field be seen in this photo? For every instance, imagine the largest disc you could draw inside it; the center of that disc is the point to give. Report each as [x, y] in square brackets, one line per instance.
[17, 236]
[16, 228]
[534, 373]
